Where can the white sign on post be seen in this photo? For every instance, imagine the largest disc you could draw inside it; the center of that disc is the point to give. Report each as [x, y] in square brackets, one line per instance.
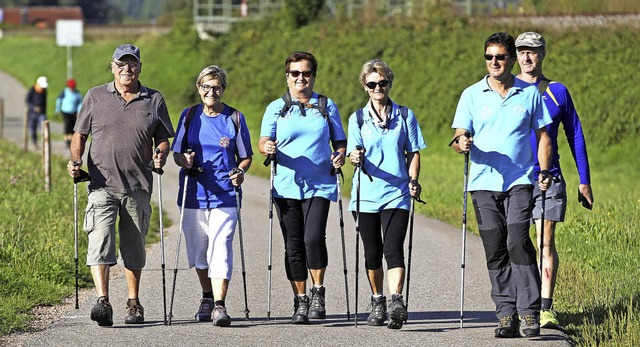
[69, 34]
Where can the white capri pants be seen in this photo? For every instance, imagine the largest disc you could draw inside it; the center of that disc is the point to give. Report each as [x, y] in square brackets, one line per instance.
[208, 236]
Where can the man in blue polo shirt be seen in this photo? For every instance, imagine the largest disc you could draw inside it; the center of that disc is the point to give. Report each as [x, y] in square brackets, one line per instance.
[531, 48]
[500, 111]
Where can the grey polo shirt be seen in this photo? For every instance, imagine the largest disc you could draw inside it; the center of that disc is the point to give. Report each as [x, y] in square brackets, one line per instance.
[122, 136]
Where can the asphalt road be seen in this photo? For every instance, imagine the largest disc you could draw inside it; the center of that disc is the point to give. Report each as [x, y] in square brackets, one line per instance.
[434, 302]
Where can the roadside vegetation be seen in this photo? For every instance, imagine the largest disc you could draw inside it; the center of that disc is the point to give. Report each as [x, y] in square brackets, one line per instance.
[434, 58]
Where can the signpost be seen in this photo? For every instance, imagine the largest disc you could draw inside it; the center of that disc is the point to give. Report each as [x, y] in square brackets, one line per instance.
[69, 34]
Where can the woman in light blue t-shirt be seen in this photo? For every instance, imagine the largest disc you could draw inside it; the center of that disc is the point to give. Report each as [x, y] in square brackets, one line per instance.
[301, 136]
[384, 138]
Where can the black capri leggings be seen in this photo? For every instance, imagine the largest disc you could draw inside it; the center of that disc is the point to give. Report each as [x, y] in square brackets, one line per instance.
[383, 233]
[304, 229]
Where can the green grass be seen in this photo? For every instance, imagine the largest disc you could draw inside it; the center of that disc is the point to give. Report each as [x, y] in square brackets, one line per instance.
[37, 264]
[434, 59]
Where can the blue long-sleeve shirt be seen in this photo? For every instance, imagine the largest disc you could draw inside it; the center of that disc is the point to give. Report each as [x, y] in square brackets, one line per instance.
[559, 103]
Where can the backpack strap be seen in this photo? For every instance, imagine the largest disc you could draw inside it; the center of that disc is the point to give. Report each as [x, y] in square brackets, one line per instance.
[359, 117]
[544, 83]
[191, 113]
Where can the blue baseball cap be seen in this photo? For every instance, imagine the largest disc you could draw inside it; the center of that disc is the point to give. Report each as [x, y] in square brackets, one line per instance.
[126, 49]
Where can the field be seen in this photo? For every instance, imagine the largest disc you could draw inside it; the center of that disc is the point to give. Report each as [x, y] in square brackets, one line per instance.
[434, 59]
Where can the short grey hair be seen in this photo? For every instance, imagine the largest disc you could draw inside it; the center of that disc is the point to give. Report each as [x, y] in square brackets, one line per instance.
[215, 72]
[378, 66]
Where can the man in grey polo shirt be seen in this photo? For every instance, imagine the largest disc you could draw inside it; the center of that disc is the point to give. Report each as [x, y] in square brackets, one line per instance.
[126, 121]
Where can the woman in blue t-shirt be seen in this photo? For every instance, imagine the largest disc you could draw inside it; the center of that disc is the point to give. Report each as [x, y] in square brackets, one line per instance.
[303, 187]
[384, 138]
[219, 140]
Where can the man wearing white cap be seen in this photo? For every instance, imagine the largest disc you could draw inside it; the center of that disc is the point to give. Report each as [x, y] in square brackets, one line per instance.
[531, 48]
[36, 107]
[127, 121]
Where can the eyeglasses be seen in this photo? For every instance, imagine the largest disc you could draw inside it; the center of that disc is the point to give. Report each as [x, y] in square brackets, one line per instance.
[500, 57]
[122, 64]
[205, 88]
[296, 73]
[372, 85]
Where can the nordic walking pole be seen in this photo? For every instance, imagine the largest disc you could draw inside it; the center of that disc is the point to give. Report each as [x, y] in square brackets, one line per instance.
[359, 168]
[175, 267]
[162, 264]
[544, 196]
[84, 176]
[244, 273]
[271, 160]
[413, 200]
[338, 172]
[464, 231]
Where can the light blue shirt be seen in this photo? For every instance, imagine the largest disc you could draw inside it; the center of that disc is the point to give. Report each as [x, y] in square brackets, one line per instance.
[69, 101]
[303, 150]
[501, 155]
[385, 159]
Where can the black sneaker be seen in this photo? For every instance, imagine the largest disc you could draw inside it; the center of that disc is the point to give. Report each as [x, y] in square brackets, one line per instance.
[301, 308]
[102, 312]
[508, 327]
[204, 312]
[135, 312]
[378, 311]
[397, 312]
[316, 308]
[530, 324]
[220, 316]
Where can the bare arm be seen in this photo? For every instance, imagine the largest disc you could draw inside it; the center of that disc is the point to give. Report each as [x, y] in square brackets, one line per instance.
[77, 147]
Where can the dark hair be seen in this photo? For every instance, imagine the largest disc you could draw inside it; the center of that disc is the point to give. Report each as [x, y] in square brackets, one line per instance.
[299, 56]
[503, 39]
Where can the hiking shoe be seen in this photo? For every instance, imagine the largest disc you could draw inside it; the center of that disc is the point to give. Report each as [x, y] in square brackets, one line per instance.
[508, 327]
[378, 311]
[135, 312]
[549, 320]
[220, 316]
[301, 310]
[316, 308]
[204, 312]
[530, 324]
[397, 312]
[102, 312]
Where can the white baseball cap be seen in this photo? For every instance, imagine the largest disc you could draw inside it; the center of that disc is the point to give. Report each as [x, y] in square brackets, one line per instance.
[42, 82]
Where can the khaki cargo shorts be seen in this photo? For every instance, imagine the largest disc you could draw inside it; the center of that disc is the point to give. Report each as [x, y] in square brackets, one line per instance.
[100, 218]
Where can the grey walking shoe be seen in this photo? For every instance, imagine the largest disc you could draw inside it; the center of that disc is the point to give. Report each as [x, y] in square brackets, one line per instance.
[301, 310]
[397, 312]
[316, 308]
[135, 312]
[204, 312]
[102, 312]
[220, 316]
[530, 324]
[378, 311]
[508, 327]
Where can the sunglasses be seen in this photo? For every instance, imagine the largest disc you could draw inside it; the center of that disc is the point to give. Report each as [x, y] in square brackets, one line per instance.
[500, 57]
[296, 73]
[372, 85]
